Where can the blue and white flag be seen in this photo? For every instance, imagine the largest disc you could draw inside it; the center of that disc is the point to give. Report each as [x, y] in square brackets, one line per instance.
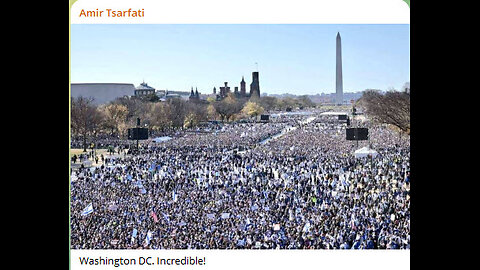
[134, 233]
[165, 217]
[149, 237]
[88, 210]
[174, 196]
[306, 228]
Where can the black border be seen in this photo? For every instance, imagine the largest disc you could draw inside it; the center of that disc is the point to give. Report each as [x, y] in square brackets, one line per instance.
[47, 215]
[42, 166]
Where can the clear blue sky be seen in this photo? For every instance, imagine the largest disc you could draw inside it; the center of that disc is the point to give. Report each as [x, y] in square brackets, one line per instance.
[292, 58]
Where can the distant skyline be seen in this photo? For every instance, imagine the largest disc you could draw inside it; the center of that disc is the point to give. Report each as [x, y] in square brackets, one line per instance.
[292, 58]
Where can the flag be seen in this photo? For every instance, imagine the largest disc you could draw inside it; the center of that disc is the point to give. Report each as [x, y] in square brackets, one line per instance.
[155, 218]
[88, 210]
[174, 196]
[166, 217]
[134, 233]
[225, 215]
[306, 228]
[149, 237]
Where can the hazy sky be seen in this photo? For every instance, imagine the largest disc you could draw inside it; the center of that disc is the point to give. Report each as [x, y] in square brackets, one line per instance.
[292, 58]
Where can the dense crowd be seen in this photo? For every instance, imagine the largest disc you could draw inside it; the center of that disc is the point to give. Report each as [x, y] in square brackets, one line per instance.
[302, 190]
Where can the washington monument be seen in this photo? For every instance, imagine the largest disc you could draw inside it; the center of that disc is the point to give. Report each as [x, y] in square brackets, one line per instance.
[339, 80]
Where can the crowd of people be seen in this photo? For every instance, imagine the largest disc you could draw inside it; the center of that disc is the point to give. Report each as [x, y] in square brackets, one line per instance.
[302, 190]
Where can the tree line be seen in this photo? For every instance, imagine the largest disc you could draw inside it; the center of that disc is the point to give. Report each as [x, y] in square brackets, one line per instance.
[114, 119]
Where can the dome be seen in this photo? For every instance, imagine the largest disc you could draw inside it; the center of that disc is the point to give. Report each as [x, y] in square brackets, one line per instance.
[144, 86]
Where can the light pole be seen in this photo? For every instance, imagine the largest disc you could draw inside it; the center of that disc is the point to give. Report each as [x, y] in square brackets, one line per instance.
[355, 128]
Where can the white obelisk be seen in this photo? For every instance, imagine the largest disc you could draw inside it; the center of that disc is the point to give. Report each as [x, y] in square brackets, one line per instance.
[339, 79]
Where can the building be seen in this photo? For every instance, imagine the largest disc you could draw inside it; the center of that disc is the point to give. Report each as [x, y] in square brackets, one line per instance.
[243, 89]
[144, 90]
[102, 93]
[168, 94]
[255, 85]
[242, 92]
[224, 90]
[194, 95]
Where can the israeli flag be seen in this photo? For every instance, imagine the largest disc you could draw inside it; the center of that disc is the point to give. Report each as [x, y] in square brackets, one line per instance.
[306, 228]
[149, 237]
[165, 217]
[88, 210]
[174, 196]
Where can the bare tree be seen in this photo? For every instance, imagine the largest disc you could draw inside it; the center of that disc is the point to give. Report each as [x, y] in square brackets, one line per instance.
[115, 115]
[85, 118]
[268, 103]
[228, 106]
[392, 108]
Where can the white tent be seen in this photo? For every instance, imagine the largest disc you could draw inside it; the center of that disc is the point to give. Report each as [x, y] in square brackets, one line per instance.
[365, 151]
[334, 113]
[162, 139]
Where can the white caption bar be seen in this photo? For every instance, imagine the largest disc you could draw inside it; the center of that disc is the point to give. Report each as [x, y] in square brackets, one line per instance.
[240, 259]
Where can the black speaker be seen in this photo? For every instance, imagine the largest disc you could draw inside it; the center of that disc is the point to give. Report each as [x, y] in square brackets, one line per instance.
[138, 133]
[357, 134]
[342, 117]
[264, 117]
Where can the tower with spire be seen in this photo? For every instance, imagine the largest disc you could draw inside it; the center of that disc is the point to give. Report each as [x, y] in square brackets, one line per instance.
[243, 89]
[194, 95]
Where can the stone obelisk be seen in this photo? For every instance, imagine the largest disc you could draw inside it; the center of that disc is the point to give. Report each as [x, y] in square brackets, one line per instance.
[339, 79]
